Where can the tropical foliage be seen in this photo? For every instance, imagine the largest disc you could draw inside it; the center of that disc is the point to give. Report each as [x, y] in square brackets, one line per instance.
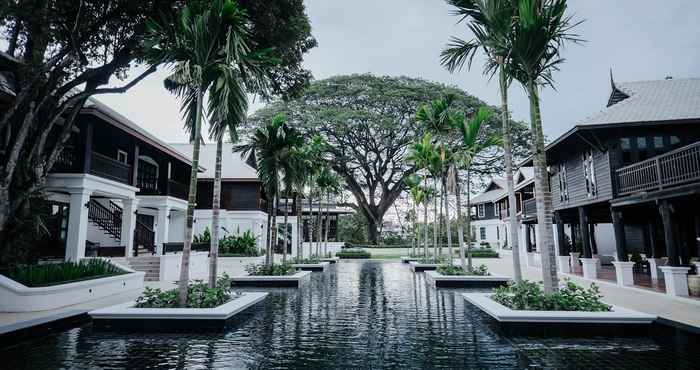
[275, 269]
[62, 273]
[450, 269]
[199, 295]
[353, 253]
[528, 295]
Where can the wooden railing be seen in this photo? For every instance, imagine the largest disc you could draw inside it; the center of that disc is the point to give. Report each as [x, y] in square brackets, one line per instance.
[110, 168]
[674, 168]
[107, 219]
[529, 207]
[178, 189]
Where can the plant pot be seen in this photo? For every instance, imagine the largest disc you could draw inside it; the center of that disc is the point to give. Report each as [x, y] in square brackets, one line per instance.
[694, 285]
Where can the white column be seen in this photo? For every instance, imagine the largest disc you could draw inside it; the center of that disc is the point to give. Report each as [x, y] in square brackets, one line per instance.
[624, 273]
[564, 265]
[654, 267]
[77, 225]
[590, 268]
[128, 224]
[163, 220]
[676, 279]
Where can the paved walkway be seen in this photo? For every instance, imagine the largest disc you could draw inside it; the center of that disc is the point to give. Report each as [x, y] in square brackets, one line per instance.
[683, 310]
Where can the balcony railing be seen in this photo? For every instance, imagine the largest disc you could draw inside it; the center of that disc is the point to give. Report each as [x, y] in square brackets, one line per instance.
[529, 207]
[677, 167]
[178, 189]
[104, 166]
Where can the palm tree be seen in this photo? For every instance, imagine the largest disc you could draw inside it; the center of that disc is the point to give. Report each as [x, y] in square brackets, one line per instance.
[424, 156]
[473, 143]
[207, 47]
[541, 29]
[294, 176]
[491, 22]
[417, 197]
[272, 146]
[329, 183]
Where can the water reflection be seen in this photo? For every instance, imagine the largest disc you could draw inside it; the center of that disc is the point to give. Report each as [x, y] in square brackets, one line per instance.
[358, 315]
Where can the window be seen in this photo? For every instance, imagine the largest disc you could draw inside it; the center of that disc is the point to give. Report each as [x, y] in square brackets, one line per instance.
[658, 142]
[589, 174]
[642, 148]
[674, 140]
[497, 210]
[626, 148]
[563, 188]
[482, 233]
[122, 156]
[480, 209]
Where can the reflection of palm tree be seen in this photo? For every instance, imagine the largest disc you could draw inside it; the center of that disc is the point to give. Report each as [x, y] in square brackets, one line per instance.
[272, 145]
[540, 30]
[423, 156]
[208, 49]
[491, 24]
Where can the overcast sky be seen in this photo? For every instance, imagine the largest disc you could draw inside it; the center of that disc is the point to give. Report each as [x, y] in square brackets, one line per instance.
[638, 39]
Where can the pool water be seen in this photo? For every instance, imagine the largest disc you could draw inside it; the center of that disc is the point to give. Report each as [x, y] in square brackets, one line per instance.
[357, 315]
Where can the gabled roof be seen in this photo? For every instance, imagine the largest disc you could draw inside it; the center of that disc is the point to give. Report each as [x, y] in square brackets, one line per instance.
[103, 111]
[523, 177]
[233, 167]
[648, 101]
[494, 190]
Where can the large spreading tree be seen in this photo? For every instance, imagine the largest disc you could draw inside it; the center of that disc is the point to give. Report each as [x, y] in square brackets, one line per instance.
[368, 122]
[61, 52]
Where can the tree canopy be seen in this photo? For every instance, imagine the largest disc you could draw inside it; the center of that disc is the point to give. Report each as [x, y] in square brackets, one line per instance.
[368, 123]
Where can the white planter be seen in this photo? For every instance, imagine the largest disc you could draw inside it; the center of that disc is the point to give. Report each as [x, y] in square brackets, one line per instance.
[330, 259]
[624, 273]
[564, 265]
[126, 316]
[501, 313]
[676, 279]
[465, 281]
[406, 259]
[590, 268]
[16, 297]
[418, 267]
[321, 266]
[295, 280]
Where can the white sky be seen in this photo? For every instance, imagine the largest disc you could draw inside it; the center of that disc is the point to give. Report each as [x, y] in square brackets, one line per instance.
[638, 39]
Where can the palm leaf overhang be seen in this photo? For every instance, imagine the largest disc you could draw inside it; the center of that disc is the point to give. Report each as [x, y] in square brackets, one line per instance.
[473, 140]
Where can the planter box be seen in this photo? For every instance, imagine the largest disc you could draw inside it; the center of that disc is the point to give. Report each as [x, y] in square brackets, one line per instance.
[127, 317]
[331, 259]
[418, 267]
[465, 281]
[406, 259]
[16, 297]
[295, 281]
[618, 322]
[321, 266]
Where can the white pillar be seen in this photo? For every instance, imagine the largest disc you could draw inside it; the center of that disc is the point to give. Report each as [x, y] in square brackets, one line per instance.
[564, 265]
[531, 259]
[590, 268]
[128, 224]
[77, 225]
[654, 267]
[676, 279]
[163, 229]
[624, 273]
[574, 260]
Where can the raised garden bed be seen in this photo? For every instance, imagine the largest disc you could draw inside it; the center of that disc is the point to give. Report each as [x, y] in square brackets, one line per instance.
[407, 259]
[465, 281]
[319, 266]
[331, 260]
[353, 254]
[418, 266]
[126, 316]
[295, 280]
[618, 321]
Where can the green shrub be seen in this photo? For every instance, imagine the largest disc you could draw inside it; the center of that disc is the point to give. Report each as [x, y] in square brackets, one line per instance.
[282, 269]
[433, 259]
[244, 245]
[484, 253]
[62, 273]
[353, 253]
[309, 260]
[447, 269]
[199, 295]
[528, 295]
[204, 237]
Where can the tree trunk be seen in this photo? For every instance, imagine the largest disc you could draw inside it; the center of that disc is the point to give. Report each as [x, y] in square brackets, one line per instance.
[435, 222]
[470, 266]
[273, 230]
[543, 197]
[191, 202]
[328, 225]
[425, 219]
[215, 205]
[447, 221]
[441, 217]
[311, 217]
[320, 225]
[284, 233]
[416, 232]
[460, 222]
[300, 236]
[510, 187]
[270, 207]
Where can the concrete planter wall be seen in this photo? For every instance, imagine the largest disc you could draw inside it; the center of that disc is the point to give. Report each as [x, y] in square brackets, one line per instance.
[236, 265]
[418, 267]
[464, 281]
[321, 266]
[293, 281]
[170, 266]
[16, 297]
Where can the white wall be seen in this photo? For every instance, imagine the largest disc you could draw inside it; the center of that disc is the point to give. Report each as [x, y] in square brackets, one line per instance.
[491, 233]
[234, 222]
[605, 239]
[170, 266]
[176, 232]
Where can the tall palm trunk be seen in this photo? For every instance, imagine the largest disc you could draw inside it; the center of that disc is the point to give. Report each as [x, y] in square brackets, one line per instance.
[273, 231]
[447, 220]
[312, 229]
[468, 225]
[416, 232]
[215, 219]
[510, 187]
[270, 208]
[460, 222]
[191, 202]
[436, 221]
[425, 219]
[298, 212]
[328, 224]
[543, 197]
[441, 218]
[284, 233]
[320, 225]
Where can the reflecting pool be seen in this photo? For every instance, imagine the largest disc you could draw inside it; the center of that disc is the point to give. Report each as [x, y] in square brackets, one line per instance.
[358, 315]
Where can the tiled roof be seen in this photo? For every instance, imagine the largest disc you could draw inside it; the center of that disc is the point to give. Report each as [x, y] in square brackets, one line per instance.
[490, 196]
[232, 165]
[662, 100]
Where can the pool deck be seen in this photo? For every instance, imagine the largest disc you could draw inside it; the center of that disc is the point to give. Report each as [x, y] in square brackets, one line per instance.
[681, 310]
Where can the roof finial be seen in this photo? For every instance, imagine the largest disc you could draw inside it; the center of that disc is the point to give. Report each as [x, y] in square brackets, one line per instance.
[612, 80]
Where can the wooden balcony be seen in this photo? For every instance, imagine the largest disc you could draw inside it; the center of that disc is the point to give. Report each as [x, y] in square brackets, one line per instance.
[69, 161]
[677, 167]
[529, 208]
